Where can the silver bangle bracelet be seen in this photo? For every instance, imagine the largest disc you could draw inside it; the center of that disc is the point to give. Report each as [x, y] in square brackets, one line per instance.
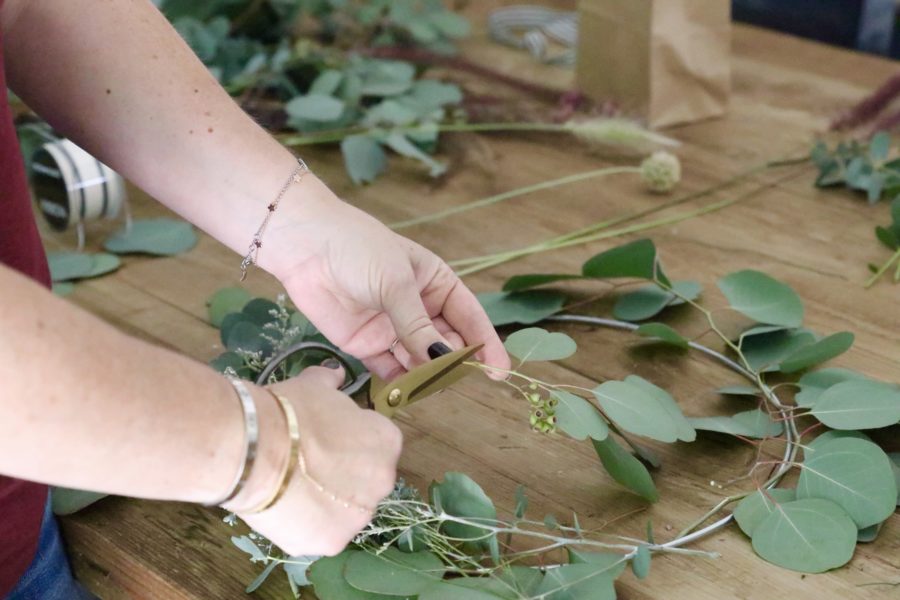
[251, 440]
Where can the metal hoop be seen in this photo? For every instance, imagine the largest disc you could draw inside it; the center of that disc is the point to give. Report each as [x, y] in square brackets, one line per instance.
[792, 436]
[355, 381]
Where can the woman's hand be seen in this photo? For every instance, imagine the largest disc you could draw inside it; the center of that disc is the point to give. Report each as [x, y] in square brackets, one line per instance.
[352, 453]
[365, 286]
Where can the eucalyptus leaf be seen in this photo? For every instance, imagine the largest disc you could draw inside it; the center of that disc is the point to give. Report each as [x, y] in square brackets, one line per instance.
[249, 546]
[103, 263]
[583, 581]
[65, 266]
[880, 146]
[829, 435]
[434, 94]
[753, 509]
[895, 465]
[246, 336]
[63, 288]
[526, 308]
[613, 563]
[327, 577]
[626, 469]
[474, 588]
[67, 501]
[854, 474]
[810, 535]
[858, 404]
[579, 418]
[648, 301]
[887, 237]
[518, 283]
[260, 311]
[225, 301]
[450, 24]
[762, 298]
[663, 333]
[400, 144]
[392, 572]
[640, 564]
[636, 410]
[635, 259]
[814, 383]
[868, 535]
[754, 424]
[364, 158]
[684, 429]
[536, 344]
[387, 77]
[739, 390]
[819, 352]
[162, 237]
[315, 107]
[460, 496]
[765, 352]
[326, 83]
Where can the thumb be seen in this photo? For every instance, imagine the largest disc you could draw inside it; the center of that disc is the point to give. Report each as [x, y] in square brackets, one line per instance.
[330, 374]
[413, 326]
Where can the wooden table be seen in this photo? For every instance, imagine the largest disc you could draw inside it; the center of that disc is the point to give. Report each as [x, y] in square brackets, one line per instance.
[819, 242]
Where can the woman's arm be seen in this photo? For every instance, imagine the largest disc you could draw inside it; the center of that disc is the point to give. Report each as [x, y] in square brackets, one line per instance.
[87, 407]
[116, 77]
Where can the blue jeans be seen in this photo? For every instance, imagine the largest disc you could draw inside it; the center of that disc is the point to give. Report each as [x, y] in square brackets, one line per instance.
[49, 576]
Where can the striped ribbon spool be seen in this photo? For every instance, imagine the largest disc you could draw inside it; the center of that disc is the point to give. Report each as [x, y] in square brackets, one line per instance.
[532, 27]
[71, 187]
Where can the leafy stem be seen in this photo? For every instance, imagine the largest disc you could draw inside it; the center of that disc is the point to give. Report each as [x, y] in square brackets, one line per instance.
[884, 268]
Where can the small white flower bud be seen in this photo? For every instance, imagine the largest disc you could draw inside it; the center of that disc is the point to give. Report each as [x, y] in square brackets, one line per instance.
[661, 171]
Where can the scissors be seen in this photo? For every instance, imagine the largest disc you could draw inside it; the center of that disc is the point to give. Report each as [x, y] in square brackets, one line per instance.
[383, 396]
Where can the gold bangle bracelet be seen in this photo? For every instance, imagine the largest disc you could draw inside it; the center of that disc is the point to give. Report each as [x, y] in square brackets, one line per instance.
[288, 471]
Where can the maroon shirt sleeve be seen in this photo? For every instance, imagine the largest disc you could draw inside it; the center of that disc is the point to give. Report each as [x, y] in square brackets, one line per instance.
[21, 502]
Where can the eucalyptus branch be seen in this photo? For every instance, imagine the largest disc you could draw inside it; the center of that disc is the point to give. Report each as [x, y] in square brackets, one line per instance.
[884, 269]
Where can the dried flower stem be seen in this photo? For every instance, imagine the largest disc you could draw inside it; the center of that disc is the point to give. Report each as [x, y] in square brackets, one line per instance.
[528, 189]
[870, 106]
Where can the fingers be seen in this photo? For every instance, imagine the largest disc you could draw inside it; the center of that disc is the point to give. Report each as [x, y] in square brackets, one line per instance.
[330, 374]
[411, 321]
[465, 314]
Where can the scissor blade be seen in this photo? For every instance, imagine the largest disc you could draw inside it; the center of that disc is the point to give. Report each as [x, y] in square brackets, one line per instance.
[446, 373]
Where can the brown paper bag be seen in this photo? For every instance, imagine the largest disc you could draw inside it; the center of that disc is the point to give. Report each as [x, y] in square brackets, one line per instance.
[667, 60]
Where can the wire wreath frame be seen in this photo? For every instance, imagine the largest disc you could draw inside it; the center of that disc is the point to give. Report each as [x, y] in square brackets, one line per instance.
[356, 381]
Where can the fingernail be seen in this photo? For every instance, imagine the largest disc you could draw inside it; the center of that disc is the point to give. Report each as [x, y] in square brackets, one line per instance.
[331, 363]
[438, 349]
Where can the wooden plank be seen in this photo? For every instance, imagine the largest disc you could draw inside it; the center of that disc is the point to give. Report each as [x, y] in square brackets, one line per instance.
[819, 242]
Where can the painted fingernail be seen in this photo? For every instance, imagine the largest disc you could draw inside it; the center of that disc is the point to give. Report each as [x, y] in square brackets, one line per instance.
[438, 349]
[331, 363]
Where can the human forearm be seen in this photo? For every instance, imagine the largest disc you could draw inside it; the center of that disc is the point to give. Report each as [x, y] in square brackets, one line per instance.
[88, 407]
[117, 79]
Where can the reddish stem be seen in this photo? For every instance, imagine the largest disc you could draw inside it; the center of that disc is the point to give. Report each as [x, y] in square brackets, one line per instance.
[870, 106]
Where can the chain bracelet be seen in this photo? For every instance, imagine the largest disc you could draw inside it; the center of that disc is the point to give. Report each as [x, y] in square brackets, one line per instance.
[256, 243]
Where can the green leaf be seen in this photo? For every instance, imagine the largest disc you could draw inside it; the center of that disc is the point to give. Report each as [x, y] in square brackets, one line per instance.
[104, 263]
[640, 564]
[226, 360]
[766, 351]
[400, 144]
[526, 308]
[431, 94]
[819, 352]
[635, 259]
[326, 83]
[579, 418]
[387, 77]
[868, 534]
[626, 469]
[895, 465]
[536, 344]
[521, 502]
[880, 146]
[364, 158]
[754, 424]
[460, 496]
[583, 581]
[636, 410]
[315, 107]
[858, 404]
[762, 298]
[685, 431]
[832, 434]
[66, 501]
[810, 535]
[63, 288]
[389, 112]
[874, 187]
[518, 283]
[327, 577]
[814, 383]
[260, 311]
[474, 588]
[247, 337]
[663, 333]
[162, 237]
[739, 390]
[614, 563]
[753, 509]
[225, 301]
[65, 266]
[450, 24]
[887, 237]
[641, 304]
[854, 474]
[393, 572]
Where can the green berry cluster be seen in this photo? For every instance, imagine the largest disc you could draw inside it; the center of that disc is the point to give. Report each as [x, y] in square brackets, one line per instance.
[543, 410]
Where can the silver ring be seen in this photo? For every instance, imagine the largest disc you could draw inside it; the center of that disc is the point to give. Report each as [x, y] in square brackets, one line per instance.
[393, 345]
